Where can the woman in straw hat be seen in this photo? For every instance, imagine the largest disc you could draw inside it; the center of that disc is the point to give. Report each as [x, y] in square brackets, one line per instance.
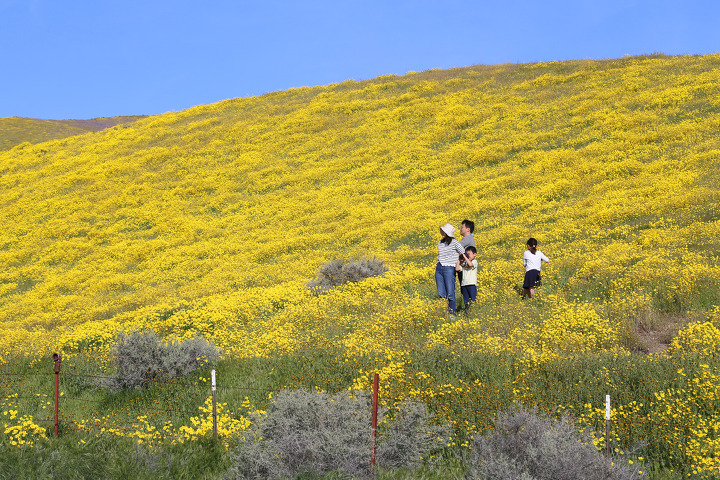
[448, 251]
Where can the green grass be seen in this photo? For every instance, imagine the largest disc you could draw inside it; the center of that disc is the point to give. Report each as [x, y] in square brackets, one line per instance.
[82, 454]
[74, 457]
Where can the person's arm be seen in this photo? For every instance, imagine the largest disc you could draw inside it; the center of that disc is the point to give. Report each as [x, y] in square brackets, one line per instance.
[461, 251]
[471, 265]
[458, 267]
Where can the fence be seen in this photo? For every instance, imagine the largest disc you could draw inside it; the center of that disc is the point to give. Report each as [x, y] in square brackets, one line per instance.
[59, 418]
[57, 370]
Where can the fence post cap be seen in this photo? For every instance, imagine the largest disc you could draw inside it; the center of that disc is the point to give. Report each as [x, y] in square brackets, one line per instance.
[57, 358]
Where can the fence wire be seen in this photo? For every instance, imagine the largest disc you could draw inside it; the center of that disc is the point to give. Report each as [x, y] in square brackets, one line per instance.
[72, 417]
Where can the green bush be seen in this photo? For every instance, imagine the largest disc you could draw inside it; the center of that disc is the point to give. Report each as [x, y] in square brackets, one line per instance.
[337, 272]
[526, 445]
[313, 434]
[141, 358]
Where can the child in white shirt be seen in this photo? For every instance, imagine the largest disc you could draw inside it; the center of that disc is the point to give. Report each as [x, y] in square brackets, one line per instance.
[468, 285]
[532, 259]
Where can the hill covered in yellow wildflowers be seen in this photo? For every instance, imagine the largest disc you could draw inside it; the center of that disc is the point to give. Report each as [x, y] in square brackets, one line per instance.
[17, 130]
[212, 219]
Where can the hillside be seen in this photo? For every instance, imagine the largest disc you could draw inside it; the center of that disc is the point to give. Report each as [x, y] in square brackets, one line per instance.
[17, 130]
[611, 164]
[211, 221]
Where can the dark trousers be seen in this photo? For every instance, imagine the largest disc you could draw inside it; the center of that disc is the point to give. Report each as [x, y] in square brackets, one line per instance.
[469, 293]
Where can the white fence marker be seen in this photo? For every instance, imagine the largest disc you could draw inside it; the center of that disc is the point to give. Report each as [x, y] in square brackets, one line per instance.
[214, 404]
[607, 425]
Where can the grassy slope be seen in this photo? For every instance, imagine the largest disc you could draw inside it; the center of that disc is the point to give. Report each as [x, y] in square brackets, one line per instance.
[17, 130]
[613, 165]
[615, 158]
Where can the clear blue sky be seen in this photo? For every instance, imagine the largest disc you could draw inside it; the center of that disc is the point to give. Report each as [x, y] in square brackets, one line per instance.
[82, 59]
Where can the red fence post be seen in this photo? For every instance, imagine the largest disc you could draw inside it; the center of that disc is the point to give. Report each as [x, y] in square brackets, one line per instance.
[58, 360]
[376, 388]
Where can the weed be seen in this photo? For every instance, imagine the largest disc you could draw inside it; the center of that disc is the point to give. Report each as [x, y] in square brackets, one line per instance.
[527, 445]
[314, 433]
[141, 358]
[337, 272]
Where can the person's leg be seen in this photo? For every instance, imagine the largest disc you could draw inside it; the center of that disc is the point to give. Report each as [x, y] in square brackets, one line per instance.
[529, 283]
[449, 276]
[466, 296]
[440, 281]
[472, 295]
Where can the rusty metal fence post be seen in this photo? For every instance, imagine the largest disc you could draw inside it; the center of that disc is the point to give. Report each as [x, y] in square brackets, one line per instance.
[57, 358]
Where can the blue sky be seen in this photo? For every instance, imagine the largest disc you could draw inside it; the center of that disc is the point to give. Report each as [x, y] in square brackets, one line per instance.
[85, 59]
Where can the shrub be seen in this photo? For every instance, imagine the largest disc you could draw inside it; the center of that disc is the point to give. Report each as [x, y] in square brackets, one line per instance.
[410, 436]
[314, 434]
[530, 446]
[338, 272]
[141, 358]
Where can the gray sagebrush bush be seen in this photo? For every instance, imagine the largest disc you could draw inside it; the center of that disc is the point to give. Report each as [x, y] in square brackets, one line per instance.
[409, 436]
[527, 445]
[141, 358]
[337, 272]
[313, 434]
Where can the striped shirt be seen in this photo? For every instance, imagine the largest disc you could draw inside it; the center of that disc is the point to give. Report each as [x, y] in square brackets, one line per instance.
[448, 254]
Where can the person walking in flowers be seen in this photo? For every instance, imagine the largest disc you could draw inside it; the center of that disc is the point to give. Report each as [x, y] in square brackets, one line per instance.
[532, 260]
[448, 251]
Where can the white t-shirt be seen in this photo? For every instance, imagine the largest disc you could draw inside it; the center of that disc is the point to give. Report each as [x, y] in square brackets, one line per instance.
[469, 276]
[533, 262]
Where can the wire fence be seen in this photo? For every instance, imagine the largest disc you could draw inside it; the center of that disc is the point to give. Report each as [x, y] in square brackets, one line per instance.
[68, 413]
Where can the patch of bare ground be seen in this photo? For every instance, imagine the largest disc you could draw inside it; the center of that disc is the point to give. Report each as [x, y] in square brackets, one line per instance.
[655, 341]
[654, 331]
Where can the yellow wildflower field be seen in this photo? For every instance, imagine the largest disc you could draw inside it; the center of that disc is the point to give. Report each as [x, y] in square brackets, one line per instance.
[212, 220]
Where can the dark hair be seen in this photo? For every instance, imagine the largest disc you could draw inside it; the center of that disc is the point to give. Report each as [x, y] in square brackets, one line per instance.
[446, 239]
[532, 243]
[472, 249]
[470, 224]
